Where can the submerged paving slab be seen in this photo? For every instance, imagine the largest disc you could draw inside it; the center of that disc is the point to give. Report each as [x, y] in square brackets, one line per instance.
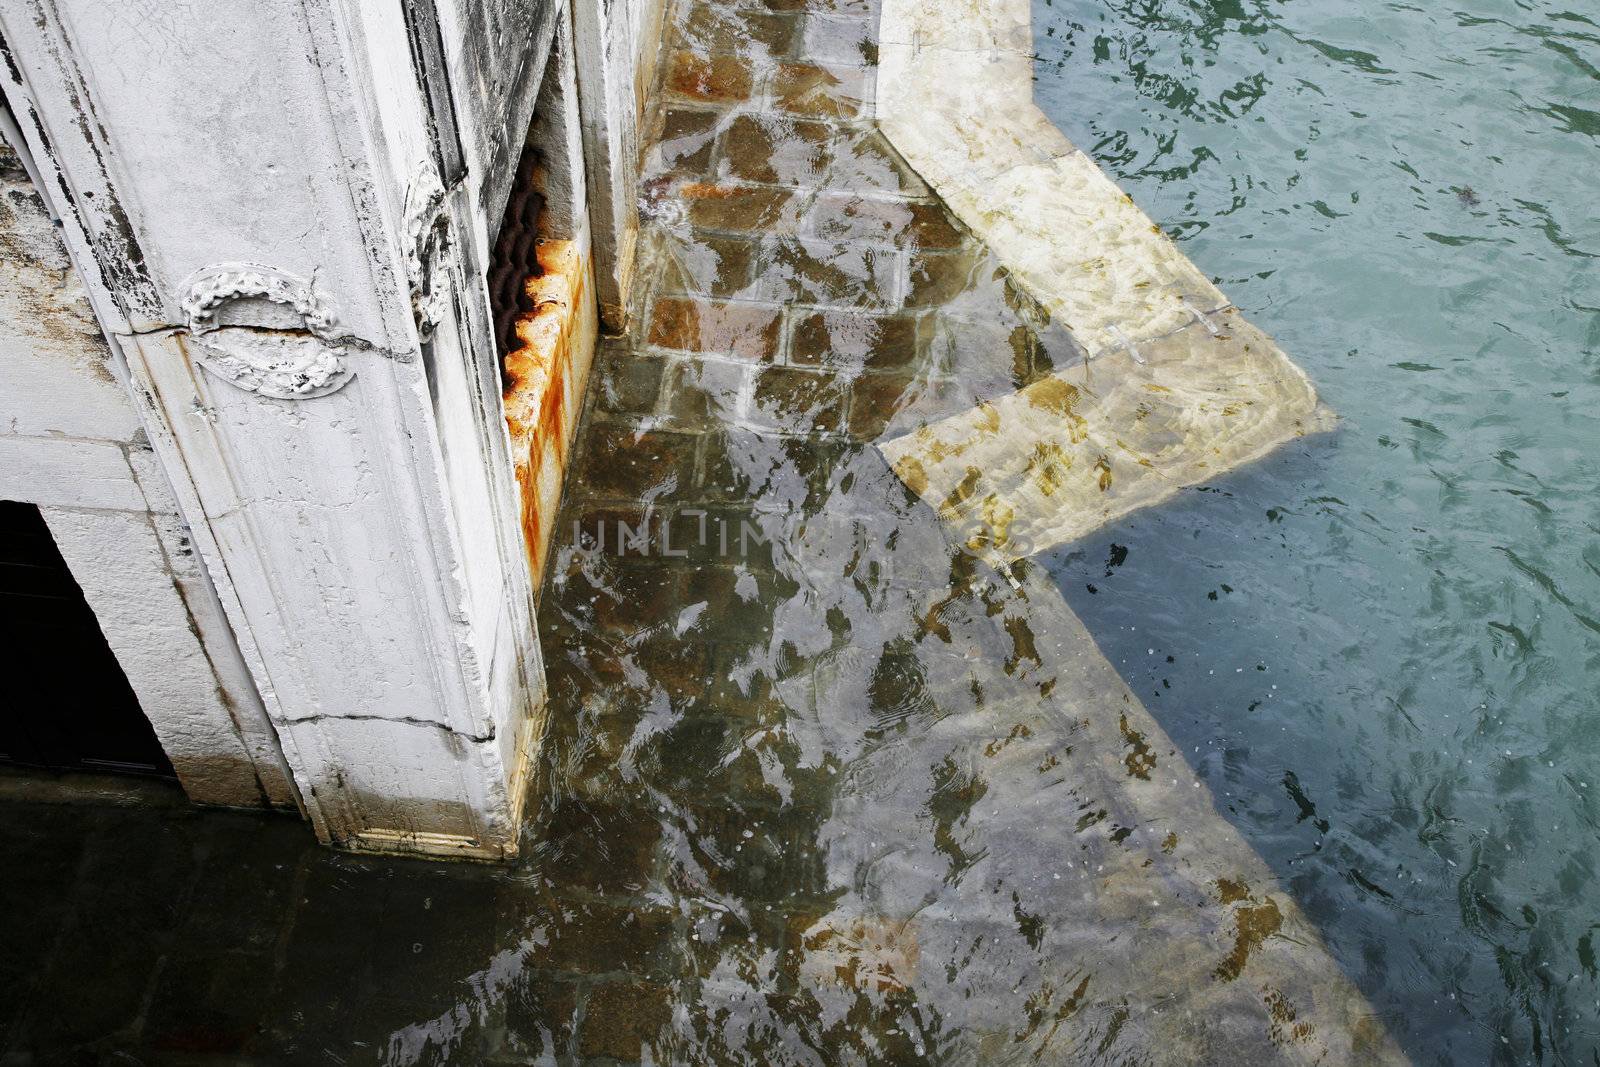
[1174, 386]
[1086, 446]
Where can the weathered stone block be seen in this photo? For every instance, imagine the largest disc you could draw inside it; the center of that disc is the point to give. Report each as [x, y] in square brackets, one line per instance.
[626, 1021]
[876, 400]
[714, 79]
[596, 846]
[704, 394]
[740, 208]
[628, 383]
[744, 331]
[824, 273]
[777, 149]
[620, 462]
[688, 138]
[866, 162]
[713, 264]
[807, 89]
[710, 28]
[598, 937]
[540, 1019]
[798, 401]
[848, 340]
[831, 38]
[901, 223]
[935, 279]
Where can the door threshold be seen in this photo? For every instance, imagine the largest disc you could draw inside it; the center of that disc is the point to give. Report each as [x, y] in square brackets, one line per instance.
[39, 786]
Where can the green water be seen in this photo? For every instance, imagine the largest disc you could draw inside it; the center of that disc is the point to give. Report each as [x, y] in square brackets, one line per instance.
[1381, 648]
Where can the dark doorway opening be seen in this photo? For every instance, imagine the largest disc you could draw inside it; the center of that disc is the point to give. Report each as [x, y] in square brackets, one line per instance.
[64, 702]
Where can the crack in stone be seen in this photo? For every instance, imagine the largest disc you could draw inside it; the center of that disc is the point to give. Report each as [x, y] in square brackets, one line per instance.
[404, 720]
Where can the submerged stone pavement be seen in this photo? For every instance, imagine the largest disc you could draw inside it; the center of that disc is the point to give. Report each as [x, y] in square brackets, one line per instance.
[820, 786]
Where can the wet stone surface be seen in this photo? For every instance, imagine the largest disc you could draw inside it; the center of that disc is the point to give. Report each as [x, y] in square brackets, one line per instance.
[819, 786]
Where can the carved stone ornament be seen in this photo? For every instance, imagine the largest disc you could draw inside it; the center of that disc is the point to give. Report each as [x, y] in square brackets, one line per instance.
[265, 331]
[427, 234]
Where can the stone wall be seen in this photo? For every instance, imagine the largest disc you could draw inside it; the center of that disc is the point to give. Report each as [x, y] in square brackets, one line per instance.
[71, 441]
[284, 247]
[265, 204]
[618, 42]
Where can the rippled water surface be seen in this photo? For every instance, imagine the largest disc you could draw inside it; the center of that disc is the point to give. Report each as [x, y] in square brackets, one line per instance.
[1382, 649]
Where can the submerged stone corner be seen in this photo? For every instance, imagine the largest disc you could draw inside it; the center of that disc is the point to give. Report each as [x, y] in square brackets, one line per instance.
[1173, 386]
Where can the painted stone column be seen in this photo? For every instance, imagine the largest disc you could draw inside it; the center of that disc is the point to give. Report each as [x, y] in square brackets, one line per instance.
[269, 211]
[616, 47]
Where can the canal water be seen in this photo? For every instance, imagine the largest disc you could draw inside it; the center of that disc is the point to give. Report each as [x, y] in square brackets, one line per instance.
[1381, 649]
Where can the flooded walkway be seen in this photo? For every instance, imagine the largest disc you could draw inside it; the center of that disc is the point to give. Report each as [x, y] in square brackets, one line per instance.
[820, 787]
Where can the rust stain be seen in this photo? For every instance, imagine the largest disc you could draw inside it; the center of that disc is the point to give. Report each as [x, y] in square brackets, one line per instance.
[1048, 467]
[961, 493]
[1256, 919]
[530, 507]
[552, 411]
[1103, 468]
[863, 953]
[913, 473]
[1061, 398]
[1019, 732]
[715, 78]
[539, 394]
[988, 418]
[48, 301]
[708, 191]
[1023, 646]
[1054, 395]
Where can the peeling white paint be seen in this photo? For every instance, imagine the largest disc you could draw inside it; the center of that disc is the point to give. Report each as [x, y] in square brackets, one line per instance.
[345, 470]
[73, 443]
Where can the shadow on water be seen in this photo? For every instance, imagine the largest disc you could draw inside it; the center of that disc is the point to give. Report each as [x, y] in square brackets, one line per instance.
[1382, 759]
[1283, 712]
